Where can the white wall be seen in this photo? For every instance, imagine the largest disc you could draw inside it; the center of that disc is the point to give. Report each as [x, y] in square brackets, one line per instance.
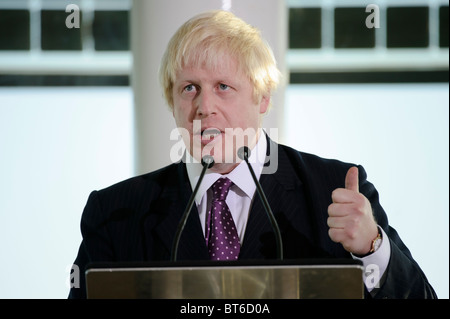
[400, 134]
[56, 145]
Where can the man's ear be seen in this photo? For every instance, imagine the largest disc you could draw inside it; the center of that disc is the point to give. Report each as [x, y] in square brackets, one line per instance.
[264, 104]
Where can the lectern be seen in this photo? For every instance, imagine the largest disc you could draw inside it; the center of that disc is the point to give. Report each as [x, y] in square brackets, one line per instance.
[288, 279]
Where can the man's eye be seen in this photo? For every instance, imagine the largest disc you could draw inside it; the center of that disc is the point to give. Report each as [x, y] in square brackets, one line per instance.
[223, 87]
[189, 88]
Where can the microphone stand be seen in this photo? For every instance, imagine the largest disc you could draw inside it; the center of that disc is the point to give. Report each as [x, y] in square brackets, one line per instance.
[244, 154]
[207, 162]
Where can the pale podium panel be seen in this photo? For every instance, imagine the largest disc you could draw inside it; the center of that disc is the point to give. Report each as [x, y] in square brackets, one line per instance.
[322, 279]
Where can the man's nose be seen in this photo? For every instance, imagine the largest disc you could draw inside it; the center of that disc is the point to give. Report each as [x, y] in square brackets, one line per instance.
[205, 103]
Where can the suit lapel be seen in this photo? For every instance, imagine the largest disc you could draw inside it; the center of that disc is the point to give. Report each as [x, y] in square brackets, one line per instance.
[175, 197]
[259, 240]
[287, 196]
[278, 185]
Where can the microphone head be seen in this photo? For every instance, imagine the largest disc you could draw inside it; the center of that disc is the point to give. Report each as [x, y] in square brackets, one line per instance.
[208, 161]
[243, 153]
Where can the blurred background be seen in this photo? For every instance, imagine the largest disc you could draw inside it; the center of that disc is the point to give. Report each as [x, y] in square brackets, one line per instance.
[81, 109]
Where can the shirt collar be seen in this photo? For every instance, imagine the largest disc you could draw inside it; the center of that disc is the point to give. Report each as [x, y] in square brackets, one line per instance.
[240, 175]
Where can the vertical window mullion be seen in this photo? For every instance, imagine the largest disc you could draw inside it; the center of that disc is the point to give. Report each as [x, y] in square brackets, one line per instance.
[327, 26]
[35, 8]
[433, 25]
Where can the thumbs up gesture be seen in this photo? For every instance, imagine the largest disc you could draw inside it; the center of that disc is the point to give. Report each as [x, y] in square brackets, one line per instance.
[350, 217]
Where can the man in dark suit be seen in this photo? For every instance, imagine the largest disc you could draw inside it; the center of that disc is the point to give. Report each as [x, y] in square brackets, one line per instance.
[218, 76]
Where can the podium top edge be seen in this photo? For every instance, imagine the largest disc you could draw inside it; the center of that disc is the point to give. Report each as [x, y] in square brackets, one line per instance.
[238, 263]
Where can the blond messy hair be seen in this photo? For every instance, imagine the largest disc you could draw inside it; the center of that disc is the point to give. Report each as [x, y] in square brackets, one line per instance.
[204, 39]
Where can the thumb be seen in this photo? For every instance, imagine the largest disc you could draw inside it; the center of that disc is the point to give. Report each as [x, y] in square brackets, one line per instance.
[351, 179]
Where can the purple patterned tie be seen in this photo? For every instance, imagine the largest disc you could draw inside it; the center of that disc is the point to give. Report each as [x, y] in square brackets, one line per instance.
[221, 234]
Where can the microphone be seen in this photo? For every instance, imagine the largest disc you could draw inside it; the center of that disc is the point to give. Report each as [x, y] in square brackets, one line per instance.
[244, 153]
[207, 162]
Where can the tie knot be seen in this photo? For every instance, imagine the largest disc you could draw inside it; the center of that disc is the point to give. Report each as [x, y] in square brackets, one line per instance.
[220, 188]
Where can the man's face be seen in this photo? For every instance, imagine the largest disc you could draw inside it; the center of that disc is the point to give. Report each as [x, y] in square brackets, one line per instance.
[217, 109]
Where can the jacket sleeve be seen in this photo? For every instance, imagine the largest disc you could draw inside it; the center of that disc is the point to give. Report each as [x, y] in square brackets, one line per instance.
[403, 277]
[95, 245]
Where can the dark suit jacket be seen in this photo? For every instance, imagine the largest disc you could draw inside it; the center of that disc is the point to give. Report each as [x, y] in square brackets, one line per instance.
[136, 220]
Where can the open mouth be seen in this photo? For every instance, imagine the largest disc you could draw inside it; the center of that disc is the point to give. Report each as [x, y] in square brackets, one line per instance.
[209, 134]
